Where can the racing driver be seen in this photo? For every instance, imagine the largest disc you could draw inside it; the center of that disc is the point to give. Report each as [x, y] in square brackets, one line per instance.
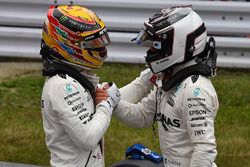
[183, 101]
[74, 41]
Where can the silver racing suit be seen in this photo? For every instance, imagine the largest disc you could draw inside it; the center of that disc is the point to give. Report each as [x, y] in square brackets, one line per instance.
[72, 126]
[185, 116]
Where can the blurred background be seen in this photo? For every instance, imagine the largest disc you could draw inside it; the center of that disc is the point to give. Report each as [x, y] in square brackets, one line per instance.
[21, 134]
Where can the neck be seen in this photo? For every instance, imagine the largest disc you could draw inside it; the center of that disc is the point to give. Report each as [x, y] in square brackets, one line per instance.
[86, 72]
[180, 67]
[90, 76]
[173, 71]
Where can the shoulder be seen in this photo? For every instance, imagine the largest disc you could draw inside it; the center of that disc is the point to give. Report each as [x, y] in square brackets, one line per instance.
[60, 80]
[196, 84]
[197, 80]
[199, 95]
[62, 85]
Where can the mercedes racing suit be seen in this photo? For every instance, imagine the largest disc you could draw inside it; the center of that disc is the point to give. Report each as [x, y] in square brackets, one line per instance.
[185, 116]
[72, 126]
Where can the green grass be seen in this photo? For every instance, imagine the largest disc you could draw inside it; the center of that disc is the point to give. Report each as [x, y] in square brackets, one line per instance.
[22, 137]
[232, 124]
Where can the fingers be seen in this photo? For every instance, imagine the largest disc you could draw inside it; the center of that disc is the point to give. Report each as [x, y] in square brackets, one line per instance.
[100, 95]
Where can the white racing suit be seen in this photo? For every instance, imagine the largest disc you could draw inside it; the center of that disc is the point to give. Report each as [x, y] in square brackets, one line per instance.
[185, 116]
[72, 126]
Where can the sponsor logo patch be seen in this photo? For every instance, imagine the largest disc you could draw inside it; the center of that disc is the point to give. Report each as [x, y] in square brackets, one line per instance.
[196, 105]
[77, 107]
[68, 88]
[197, 92]
[199, 132]
[167, 121]
[74, 100]
[196, 99]
[71, 95]
[170, 101]
[197, 112]
[197, 118]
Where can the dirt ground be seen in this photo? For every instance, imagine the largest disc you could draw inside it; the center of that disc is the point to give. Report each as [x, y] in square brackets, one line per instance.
[14, 69]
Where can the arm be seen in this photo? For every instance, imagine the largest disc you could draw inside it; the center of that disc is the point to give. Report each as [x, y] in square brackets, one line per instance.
[76, 113]
[136, 108]
[200, 115]
[139, 88]
[138, 115]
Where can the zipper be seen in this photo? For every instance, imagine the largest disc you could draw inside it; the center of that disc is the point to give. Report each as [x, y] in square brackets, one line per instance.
[88, 158]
